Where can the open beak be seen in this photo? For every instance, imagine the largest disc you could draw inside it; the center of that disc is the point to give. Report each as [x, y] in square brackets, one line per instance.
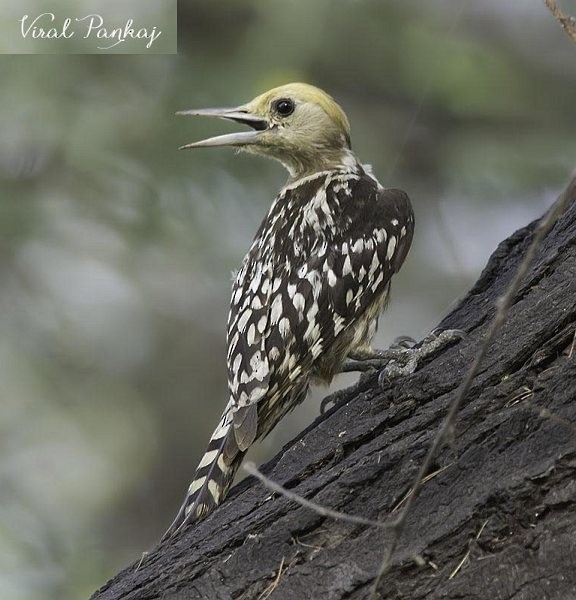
[240, 115]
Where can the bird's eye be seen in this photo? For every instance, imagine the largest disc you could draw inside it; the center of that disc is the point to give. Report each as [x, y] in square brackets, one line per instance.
[284, 107]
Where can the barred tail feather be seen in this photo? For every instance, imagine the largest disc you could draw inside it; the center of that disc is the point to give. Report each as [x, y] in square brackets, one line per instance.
[213, 477]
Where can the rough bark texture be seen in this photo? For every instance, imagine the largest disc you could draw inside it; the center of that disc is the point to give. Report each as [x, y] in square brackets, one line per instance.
[504, 502]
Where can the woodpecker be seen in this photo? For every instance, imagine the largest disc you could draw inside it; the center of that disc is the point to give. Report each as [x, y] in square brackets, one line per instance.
[310, 290]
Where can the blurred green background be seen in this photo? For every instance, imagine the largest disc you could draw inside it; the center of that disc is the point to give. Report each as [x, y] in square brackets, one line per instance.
[116, 249]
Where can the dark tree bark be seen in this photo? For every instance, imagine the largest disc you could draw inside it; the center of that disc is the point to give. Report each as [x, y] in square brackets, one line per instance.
[502, 501]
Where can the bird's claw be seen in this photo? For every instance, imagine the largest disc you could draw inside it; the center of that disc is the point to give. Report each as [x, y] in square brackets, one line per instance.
[407, 360]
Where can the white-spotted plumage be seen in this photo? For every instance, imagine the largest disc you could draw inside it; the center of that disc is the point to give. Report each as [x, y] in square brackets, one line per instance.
[309, 292]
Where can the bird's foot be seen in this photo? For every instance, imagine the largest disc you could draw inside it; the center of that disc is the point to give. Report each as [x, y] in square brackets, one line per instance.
[369, 359]
[407, 360]
[403, 356]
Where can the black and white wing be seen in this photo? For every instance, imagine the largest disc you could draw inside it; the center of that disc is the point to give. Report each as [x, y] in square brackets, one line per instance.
[305, 283]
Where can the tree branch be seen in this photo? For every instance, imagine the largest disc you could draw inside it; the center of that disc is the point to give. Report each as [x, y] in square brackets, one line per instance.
[568, 24]
[446, 431]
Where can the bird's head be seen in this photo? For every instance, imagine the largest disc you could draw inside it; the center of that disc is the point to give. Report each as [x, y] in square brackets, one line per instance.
[297, 124]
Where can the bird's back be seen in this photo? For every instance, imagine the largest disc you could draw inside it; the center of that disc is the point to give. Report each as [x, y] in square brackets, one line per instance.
[321, 259]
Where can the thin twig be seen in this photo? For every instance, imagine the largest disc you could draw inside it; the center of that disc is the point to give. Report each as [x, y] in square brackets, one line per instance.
[425, 480]
[572, 346]
[266, 593]
[466, 556]
[317, 508]
[144, 556]
[568, 24]
[523, 393]
[447, 428]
